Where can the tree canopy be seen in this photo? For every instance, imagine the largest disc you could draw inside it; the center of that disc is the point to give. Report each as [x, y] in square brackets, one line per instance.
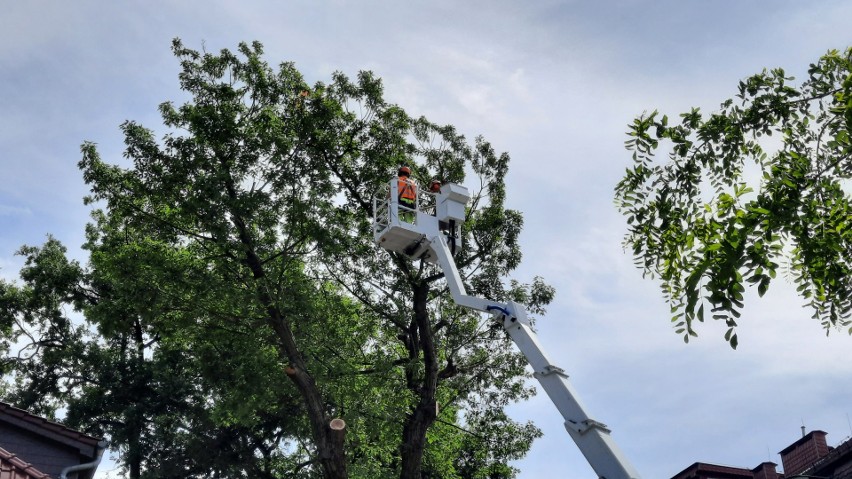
[234, 304]
[757, 188]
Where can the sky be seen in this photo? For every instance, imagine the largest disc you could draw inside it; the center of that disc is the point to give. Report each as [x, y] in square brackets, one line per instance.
[554, 84]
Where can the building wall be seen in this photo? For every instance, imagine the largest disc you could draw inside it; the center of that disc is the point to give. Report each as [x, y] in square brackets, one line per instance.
[803, 453]
[766, 470]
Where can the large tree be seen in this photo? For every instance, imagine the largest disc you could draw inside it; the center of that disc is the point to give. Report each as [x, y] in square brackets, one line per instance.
[234, 279]
[757, 187]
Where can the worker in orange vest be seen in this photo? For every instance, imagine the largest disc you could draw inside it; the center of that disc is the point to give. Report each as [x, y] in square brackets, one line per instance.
[407, 188]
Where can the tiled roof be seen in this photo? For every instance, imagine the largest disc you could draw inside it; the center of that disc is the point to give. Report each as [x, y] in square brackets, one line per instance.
[12, 467]
[837, 457]
[702, 469]
[48, 428]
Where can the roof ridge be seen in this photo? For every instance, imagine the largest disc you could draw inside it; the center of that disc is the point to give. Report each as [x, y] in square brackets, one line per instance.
[48, 424]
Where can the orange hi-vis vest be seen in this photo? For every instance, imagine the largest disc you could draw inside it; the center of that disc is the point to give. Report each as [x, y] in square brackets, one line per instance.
[407, 190]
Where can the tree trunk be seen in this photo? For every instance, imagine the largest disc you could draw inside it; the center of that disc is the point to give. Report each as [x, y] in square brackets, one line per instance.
[328, 441]
[136, 420]
[330, 451]
[134, 460]
[424, 414]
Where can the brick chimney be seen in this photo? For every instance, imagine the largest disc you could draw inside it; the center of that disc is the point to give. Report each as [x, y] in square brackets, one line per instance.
[803, 453]
[765, 471]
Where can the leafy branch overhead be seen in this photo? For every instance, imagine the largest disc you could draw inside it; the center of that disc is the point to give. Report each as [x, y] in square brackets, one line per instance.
[757, 188]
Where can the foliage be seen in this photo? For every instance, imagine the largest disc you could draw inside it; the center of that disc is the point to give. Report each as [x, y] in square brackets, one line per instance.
[763, 180]
[234, 301]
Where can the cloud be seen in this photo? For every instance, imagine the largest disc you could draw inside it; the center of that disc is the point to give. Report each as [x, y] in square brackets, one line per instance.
[6, 210]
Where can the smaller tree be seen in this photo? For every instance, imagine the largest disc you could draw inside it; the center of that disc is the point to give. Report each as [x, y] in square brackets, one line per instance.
[164, 367]
[707, 223]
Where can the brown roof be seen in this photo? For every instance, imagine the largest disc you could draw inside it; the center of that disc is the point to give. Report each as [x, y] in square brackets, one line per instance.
[12, 467]
[703, 469]
[87, 445]
[837, 457]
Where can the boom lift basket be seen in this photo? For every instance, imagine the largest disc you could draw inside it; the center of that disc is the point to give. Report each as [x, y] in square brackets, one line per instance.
[406, 230]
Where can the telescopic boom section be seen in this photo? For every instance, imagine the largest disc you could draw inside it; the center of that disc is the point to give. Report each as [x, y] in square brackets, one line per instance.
[429, 232]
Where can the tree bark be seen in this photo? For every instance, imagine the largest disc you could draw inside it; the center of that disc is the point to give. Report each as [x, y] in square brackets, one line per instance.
[424, 413]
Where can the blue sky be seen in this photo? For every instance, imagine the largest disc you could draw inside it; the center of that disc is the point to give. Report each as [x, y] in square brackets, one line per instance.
[554, 83]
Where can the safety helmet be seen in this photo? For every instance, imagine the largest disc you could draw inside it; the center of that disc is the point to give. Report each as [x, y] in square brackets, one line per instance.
[435, 185]
[405, 171]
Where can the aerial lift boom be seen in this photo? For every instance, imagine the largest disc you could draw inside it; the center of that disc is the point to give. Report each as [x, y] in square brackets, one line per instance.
[431, 232]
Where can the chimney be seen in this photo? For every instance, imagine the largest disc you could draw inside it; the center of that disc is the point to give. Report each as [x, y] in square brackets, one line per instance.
[803, 453]
[765, 471]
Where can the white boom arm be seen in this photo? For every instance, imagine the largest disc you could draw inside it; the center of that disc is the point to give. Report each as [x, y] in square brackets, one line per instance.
[592, 437]
[420, 236]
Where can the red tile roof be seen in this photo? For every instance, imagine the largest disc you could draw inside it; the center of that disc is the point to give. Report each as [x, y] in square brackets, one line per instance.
[12, 467]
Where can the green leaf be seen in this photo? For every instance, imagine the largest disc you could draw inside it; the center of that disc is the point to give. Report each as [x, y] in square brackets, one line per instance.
[799, 208]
